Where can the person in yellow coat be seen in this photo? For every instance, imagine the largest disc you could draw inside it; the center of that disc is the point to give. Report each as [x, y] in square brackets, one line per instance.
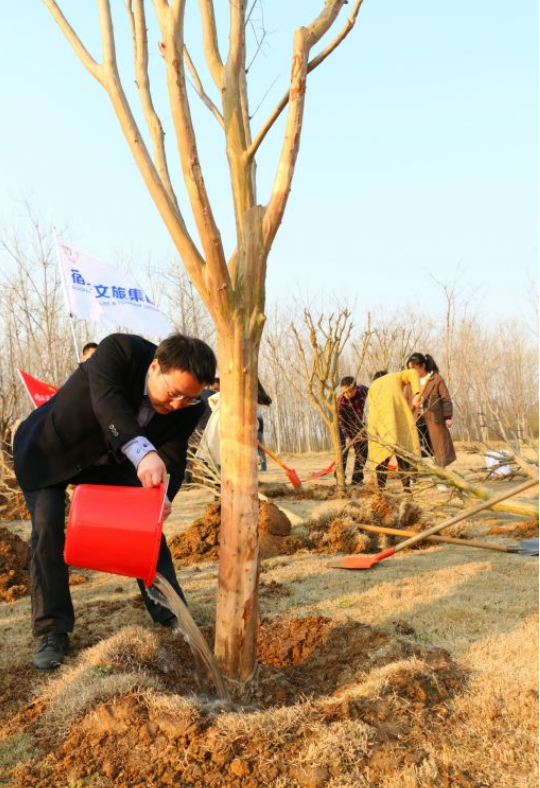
[391, 422]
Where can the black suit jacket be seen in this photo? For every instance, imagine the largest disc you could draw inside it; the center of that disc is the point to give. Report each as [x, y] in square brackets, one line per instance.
[95, 412]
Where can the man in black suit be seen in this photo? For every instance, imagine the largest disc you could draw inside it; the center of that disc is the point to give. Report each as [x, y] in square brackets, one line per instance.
[123, 418]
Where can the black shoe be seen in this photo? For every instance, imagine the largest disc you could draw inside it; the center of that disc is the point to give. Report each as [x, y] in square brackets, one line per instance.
[51, 652]
[170, 623]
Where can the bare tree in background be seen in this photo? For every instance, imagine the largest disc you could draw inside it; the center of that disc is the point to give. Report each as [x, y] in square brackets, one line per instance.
[34, 328]
[233, 289]
[392, 340]
[319, 360]
[181, 303]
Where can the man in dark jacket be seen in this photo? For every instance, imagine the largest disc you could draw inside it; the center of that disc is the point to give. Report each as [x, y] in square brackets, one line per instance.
[351, 404]
[123, 418]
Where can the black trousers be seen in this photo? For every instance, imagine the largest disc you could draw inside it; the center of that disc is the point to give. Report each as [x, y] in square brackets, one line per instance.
[52, 608]
[405, 473]
[360, 448]
[425, 440]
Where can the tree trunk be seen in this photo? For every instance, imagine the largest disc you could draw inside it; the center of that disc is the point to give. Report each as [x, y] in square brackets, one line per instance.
[338, 455]
[236, 618]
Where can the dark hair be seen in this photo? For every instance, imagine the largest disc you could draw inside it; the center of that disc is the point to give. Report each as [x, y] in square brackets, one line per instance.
[89, 346]
[262, 396]
[427, 361]
[380, 374]
[187, 354]
[347, 381]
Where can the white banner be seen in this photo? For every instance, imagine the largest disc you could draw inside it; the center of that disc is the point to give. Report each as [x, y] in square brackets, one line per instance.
[97, 291]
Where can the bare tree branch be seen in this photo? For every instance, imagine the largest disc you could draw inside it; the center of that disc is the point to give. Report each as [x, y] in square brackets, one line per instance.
[198, 86]
[215, 278]
[81, 51]
[210, 42]
[311, 66]
[304, 39]
[137, 20]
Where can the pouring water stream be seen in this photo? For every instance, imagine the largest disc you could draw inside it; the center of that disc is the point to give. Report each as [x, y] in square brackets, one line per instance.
[163, 593]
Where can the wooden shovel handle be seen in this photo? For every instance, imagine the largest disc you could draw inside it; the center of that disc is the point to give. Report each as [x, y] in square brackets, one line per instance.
[380, 529]
[272, 455]
[467, 513]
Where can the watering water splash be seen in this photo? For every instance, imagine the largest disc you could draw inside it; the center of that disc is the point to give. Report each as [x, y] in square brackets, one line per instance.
[163, 593]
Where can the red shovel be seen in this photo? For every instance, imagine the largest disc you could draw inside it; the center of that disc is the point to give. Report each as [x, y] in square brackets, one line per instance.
[322, 473]
[291, 473]
[367, 561]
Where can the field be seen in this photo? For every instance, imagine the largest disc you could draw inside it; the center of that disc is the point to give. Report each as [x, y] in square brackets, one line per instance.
[421, 672]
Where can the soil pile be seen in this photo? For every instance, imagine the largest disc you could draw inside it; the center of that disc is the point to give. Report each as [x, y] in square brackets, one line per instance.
[12, 503]
[529, 528]
[313, 492]
[331, 705]
[14, 566]
[338, 529]
[201, 540]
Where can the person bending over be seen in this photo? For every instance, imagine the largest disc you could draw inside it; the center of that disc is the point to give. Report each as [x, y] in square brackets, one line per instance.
[123, 419]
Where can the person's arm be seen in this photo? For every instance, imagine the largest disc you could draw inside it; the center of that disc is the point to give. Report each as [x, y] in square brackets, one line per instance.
[411, 377]
[119, 361]
[113, 369]
[447, 406]
[344, 425]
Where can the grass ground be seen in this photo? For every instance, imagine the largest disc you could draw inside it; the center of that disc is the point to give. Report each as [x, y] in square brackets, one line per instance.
[421, 672]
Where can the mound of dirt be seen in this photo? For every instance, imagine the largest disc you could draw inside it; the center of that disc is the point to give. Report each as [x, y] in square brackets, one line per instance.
[312, 492]
[340, 535]
[12, 503]
[330, 705]
[338, 528]
[14, 566]
[201, 541]
[272, 520]
[529, 528]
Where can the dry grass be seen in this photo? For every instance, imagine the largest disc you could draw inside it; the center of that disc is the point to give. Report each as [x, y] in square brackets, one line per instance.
[481, 607]
[111, 668]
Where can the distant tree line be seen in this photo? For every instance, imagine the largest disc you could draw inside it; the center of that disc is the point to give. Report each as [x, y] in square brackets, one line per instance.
[491, 368]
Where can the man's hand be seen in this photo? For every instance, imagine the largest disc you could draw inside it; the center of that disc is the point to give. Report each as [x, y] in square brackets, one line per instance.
[449, 423]
[151, 470]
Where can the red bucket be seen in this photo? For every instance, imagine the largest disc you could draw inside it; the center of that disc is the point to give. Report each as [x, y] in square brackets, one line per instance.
[115, 529]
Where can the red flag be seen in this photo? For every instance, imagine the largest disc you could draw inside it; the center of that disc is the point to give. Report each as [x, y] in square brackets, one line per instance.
[38, 392]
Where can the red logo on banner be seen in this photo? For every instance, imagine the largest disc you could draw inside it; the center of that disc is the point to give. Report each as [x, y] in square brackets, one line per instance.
[39, 392]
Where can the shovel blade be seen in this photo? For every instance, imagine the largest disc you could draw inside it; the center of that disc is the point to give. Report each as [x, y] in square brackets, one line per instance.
[529, 547]
[294, 478]
[362, 561]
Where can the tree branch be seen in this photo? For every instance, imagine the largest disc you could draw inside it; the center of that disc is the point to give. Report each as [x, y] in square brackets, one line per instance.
[304, 39]
[311, 66]
[140, 58]
[81, 51]
[216, 282]
[197, 84]
[107, 74]
[210, 42]
[238, 139]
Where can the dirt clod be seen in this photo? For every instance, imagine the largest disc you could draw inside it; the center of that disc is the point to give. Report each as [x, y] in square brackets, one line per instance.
[14, 566]
[201, 540]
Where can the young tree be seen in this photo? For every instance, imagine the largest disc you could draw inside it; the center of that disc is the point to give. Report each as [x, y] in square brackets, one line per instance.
[319, 360]
[233, 289]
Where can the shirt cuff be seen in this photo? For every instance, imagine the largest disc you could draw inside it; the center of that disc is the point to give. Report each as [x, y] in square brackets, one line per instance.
[136, 449]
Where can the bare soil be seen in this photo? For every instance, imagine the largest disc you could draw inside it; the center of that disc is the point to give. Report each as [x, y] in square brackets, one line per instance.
[421, 672]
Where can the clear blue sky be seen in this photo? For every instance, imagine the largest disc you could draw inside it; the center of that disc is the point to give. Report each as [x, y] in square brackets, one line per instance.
[419, 149]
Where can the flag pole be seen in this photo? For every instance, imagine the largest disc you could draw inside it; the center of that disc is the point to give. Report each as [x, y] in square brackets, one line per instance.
[66, 297]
